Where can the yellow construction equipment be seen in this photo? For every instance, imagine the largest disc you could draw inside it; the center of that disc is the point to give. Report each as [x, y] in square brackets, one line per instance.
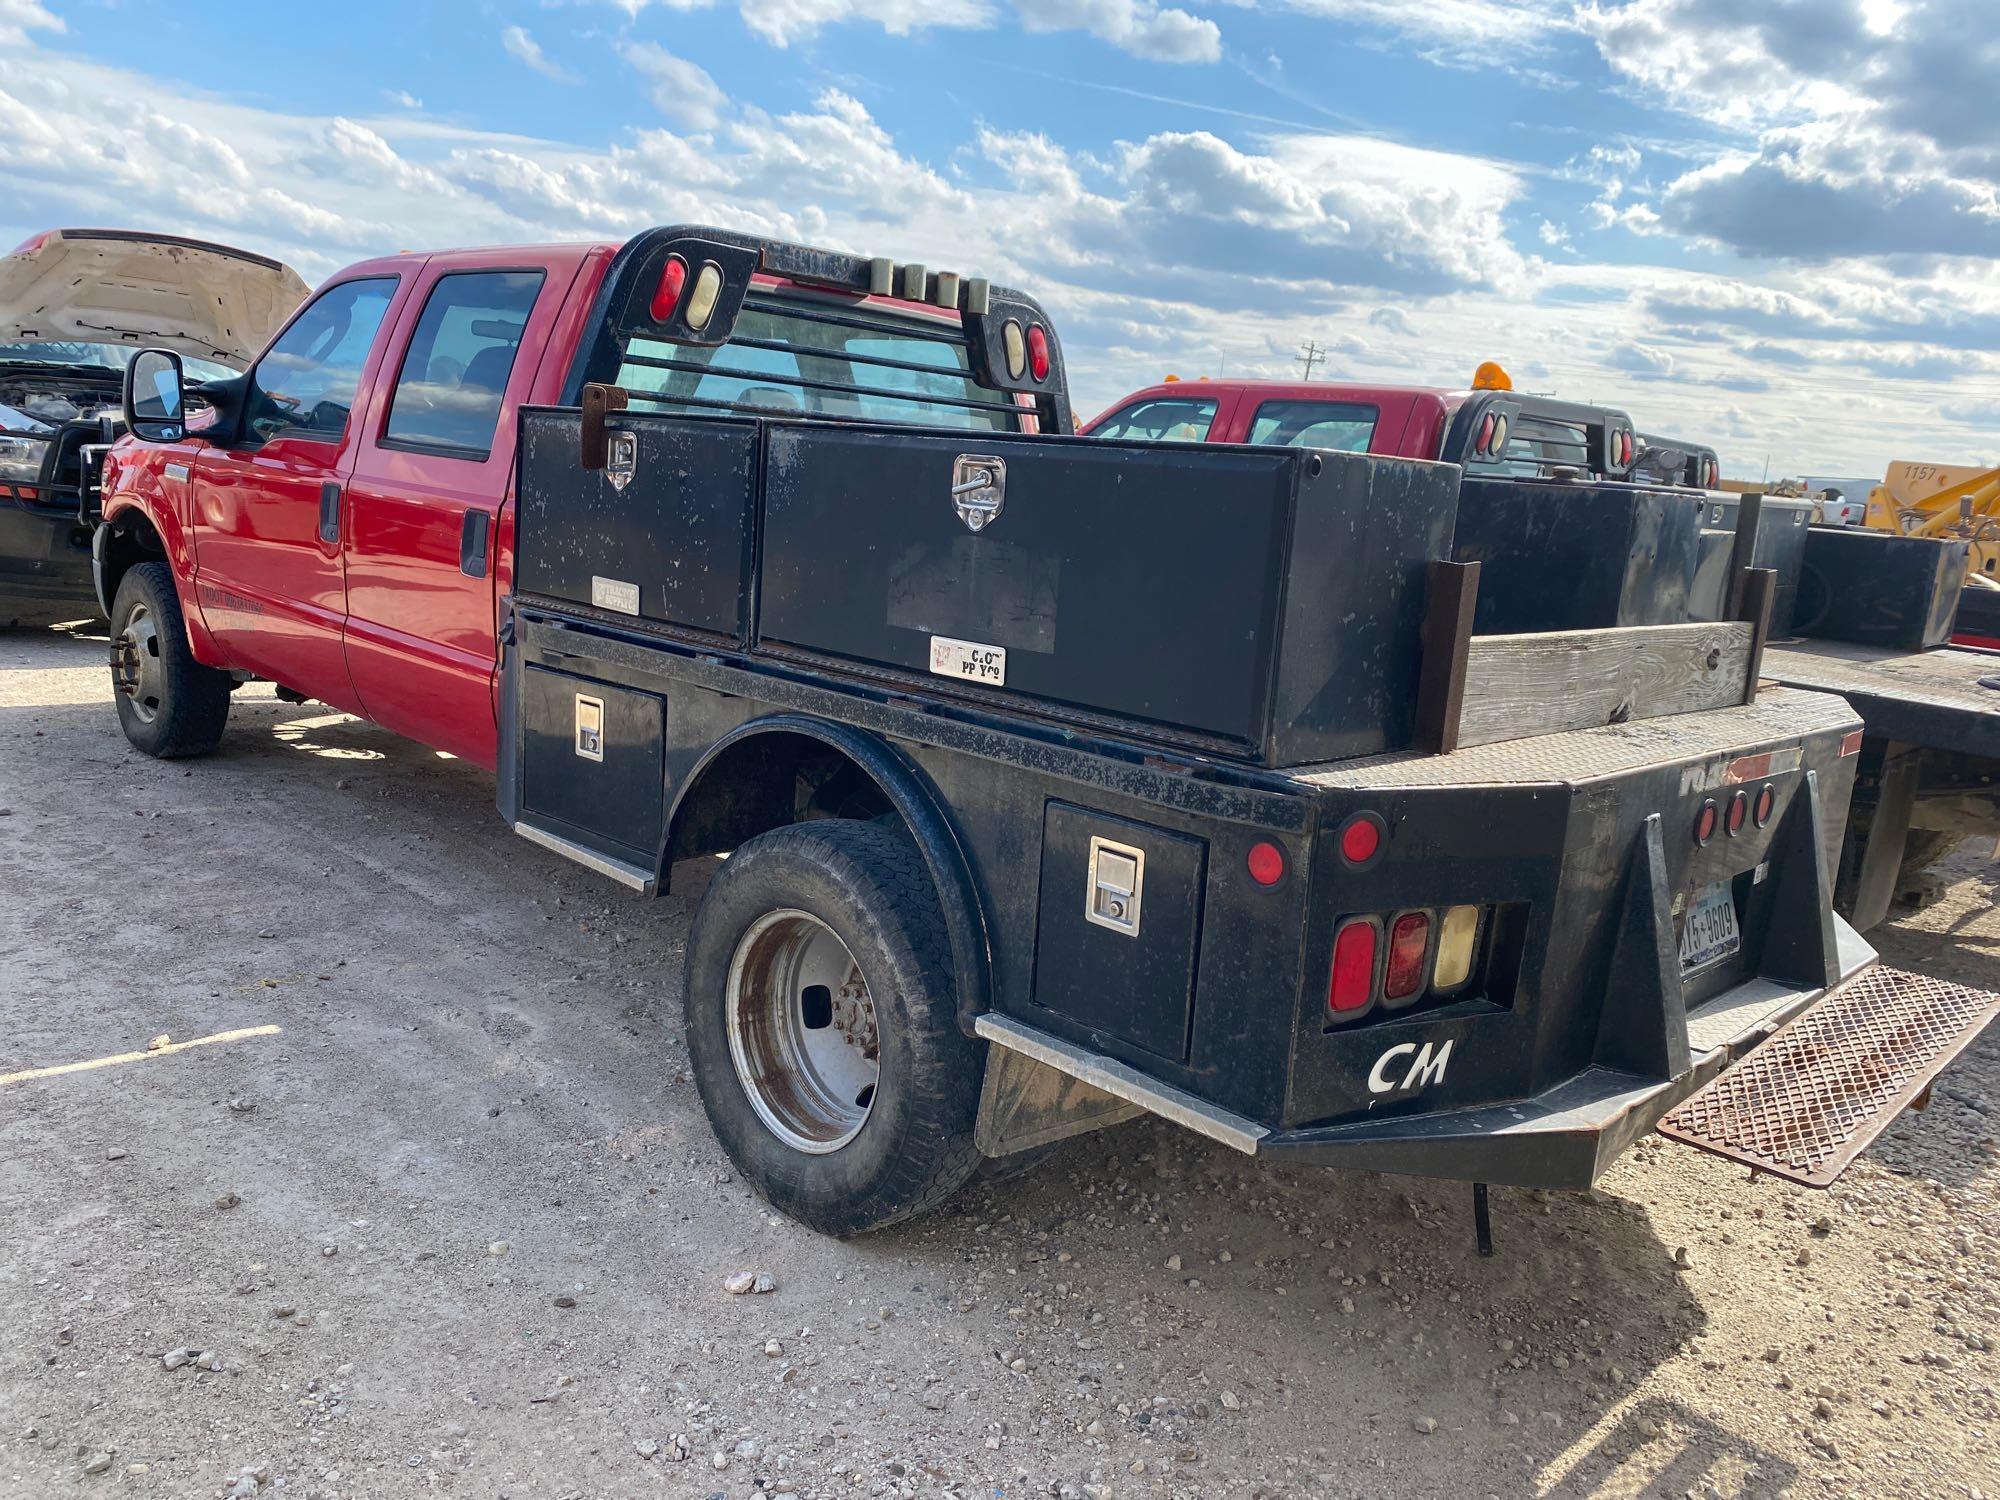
[1940, 500]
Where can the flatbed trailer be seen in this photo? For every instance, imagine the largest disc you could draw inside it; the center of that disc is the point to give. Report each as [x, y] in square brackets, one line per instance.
[1066, 779]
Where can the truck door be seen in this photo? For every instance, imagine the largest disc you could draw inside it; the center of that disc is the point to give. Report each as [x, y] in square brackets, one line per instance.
[425, 497]
[268, 509]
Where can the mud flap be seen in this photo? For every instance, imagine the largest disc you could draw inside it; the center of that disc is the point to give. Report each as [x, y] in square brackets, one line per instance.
[1806, 1103]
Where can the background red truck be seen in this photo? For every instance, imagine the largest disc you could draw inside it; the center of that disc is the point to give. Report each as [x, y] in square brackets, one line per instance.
[1491, 429]
[339, 521]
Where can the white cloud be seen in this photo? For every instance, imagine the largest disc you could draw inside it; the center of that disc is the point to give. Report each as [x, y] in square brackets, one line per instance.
[1139, 27]
[19, 17]
[680, 90]
[525, 49]
[1464, 32]
[783, 22]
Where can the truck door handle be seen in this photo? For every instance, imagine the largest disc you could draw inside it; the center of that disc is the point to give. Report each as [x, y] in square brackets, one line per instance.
[472, 543]
[329, 512]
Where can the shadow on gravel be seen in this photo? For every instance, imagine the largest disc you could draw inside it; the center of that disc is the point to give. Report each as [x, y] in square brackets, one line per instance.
[1666, 1449]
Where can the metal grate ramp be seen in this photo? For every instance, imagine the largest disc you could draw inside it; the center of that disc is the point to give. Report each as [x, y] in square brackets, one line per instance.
[1809, 1101]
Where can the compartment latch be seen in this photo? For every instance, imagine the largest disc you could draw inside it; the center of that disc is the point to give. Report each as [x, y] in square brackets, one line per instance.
[1117, 881]
[978, 488]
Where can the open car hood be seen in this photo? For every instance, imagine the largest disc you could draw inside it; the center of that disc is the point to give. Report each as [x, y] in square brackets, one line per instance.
[114, 286]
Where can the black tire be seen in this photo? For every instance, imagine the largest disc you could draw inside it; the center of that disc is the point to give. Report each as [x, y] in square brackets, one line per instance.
[868, 885]
[169, 704]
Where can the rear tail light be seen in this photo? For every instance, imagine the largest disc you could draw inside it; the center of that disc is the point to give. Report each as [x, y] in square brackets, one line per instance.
[1767, 802]
[1409, 946]
[1038, 352]
[1267, 863]
[1457, 942]
[1705, 821]
[702, 300]
[667, 295]
[1484, 442]
[1353, 984]
[1017, 350]
[1739, 812]
[1361, 839]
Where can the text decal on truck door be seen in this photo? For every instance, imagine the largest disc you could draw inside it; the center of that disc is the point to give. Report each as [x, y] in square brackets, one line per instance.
[987, 664]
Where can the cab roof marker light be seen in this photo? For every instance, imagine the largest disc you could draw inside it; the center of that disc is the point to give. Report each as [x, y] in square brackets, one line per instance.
[947, 290]
[915, 279]
[707, 290]
[978, 296]
[881, 276]
[1499, 448]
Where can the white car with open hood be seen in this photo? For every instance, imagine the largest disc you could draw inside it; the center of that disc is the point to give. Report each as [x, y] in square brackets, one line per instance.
[74, 305]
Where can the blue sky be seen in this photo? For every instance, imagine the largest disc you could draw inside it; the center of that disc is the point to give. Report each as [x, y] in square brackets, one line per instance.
[1770, 224]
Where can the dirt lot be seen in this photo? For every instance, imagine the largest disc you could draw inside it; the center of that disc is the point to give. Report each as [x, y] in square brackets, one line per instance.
[435, 1200]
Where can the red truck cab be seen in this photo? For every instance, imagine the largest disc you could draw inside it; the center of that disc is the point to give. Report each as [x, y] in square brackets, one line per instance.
[339, 521]
[1491, 429]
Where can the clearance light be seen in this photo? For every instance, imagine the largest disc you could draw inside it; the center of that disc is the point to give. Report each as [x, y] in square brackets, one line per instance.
[1267, 863]
[701, 301]
[1038, 352]
[1499, 446]
[1767, 802]
[1409, 945]
[1361, 839]
[667, 295]
[1490, 377]
[1017, 350]
[1739, 811]
[1458, 940]
[1484, 442]
[1704, 822]
[1353, 984]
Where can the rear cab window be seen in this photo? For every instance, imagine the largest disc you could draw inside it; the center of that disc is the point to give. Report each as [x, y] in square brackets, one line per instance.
[455, 371]
[1163, 419]
[794, 353]
[1345, 426]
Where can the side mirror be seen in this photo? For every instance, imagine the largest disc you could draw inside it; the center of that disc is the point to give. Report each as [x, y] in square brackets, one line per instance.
[155, 404]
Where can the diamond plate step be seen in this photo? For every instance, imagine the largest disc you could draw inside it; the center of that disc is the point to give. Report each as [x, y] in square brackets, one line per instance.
[1813, 1097]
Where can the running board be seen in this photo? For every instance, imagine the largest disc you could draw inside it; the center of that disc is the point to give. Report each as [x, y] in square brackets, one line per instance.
[1805, 1104]
[630, 876]
[1123, 1081]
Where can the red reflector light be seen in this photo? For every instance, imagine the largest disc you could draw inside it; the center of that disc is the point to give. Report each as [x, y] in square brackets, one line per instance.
[1409, 942]
[1361, 839]
[1704, 822]
[1038, 352]
[1739, 810]
[1852, 744]
[1353, 983]
[667, 295]
[1485, 440]
[1267, 863]
[1767, 802]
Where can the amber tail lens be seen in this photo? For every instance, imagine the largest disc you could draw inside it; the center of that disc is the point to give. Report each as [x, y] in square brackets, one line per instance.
[1457, 943]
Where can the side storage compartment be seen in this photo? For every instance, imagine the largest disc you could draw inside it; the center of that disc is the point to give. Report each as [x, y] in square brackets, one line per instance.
[1577, 557]
[1881, 590]
[1781, 547]
[1119, 927]
[592, 767]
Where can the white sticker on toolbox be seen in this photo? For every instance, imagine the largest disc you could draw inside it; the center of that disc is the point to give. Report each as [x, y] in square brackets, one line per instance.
[969, 659]
[615, 593]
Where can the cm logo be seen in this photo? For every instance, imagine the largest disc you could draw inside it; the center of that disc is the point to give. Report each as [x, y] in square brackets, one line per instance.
[1390, 1075]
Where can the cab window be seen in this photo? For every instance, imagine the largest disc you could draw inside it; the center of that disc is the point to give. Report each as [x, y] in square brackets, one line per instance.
[305, 384]
[455, 372]
[1165, 419]
[1345, 427]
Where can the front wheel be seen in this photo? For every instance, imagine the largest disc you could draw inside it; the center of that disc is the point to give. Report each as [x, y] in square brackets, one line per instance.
[821, 1022]
[169, 704]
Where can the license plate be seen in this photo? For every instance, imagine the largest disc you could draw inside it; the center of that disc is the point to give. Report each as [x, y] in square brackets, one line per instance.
[1710, 934]
[970, 660]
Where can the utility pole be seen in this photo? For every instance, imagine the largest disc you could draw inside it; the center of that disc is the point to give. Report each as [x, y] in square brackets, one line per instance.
[1310, 354]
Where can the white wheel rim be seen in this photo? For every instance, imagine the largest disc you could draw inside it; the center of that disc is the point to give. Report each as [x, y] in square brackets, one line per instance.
[802, 1031]
[135, 664]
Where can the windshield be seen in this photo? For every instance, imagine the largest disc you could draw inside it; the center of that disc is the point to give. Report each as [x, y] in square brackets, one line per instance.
[99, 356]
[819, 358]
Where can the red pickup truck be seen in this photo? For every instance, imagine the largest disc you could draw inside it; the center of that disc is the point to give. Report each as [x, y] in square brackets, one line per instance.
[338, 519]
[1491, 429]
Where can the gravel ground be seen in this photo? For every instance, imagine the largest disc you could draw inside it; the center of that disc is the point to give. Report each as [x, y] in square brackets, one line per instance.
[437, 1211]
